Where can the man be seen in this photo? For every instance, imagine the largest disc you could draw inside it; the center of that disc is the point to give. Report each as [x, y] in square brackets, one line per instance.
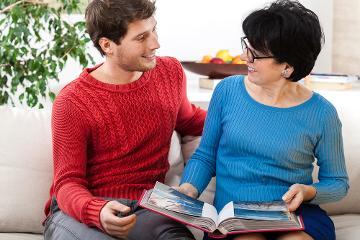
[112, 128]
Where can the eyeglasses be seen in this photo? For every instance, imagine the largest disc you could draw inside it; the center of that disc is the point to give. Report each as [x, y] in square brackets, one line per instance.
[251, 56]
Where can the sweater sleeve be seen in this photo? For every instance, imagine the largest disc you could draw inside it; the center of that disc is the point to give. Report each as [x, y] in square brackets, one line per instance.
[201, 167]
[70, 136]
[333, 178]
[190, 119]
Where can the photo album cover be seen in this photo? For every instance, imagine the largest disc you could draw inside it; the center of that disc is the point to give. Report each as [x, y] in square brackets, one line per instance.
[234, 218]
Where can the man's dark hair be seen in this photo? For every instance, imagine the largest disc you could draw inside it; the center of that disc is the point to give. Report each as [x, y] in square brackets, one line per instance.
[288, 31]
[110, 18]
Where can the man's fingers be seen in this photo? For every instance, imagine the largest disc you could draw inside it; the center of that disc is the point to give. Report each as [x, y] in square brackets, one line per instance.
[123, 226]
[118, 207]
[114, 225]
[120, 227]
[119, 230]
[121, 221]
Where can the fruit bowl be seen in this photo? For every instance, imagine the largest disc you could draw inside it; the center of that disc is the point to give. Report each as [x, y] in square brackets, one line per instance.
[213, 70]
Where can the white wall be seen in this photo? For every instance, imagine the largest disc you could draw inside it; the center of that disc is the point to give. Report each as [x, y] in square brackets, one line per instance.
[346, 53]
[189, 29]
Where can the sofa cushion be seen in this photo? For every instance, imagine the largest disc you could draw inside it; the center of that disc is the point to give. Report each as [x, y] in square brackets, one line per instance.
[176, 162]
[347, 226]
[20, 236]
[25, 168]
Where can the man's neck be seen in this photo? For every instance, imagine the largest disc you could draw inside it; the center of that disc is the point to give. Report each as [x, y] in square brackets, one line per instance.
[113, 74]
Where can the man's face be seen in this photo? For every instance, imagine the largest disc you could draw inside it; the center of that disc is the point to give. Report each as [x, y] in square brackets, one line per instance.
[136, 51]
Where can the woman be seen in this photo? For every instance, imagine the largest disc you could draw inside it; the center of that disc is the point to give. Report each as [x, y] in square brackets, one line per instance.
[262, 134]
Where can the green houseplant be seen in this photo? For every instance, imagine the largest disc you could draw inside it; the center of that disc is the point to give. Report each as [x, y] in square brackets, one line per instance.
[36, 40]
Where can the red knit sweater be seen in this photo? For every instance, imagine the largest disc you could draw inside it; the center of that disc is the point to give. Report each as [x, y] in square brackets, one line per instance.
[113, 140]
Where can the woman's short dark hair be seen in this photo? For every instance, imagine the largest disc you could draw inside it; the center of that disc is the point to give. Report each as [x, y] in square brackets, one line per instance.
[288, 31]
[110, 18]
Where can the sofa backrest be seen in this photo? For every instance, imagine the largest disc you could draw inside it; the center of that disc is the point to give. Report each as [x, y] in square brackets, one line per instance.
[347, 105]
[25, 168]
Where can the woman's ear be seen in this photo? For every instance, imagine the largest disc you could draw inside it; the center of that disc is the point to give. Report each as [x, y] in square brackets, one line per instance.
[288, 70]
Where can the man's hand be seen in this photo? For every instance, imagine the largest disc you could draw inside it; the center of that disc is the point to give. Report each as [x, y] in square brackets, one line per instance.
[297, 194]
[114, 225]
[188, 189]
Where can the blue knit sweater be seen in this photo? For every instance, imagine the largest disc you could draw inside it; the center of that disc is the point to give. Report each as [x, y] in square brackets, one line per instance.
[257, 151]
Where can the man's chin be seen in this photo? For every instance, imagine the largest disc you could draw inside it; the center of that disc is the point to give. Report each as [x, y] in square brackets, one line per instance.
[140, 66]
[149, 65]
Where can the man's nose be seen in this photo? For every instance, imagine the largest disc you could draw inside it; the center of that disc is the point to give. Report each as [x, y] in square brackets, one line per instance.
[154, 42]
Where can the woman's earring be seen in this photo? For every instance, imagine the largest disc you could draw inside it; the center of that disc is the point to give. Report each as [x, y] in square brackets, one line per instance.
[284, 73]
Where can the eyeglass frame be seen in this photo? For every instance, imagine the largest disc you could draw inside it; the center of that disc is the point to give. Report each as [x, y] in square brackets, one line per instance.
[246, 50]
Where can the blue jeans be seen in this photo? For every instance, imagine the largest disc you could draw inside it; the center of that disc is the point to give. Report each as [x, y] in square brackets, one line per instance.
[149, 225]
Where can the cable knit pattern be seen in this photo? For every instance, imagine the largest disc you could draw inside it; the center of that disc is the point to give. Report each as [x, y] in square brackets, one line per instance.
[113, 140]
[257, 151]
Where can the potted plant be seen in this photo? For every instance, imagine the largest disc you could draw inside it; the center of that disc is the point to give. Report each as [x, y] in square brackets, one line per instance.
[36, 41]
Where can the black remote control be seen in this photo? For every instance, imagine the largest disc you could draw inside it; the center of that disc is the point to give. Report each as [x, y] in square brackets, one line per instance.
[132, 207]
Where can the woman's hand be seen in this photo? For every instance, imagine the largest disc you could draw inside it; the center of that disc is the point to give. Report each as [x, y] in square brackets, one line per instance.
[188, 189]
[297, 194]
[112, 224]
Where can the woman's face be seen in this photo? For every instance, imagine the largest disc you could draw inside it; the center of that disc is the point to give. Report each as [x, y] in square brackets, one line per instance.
[262, 68]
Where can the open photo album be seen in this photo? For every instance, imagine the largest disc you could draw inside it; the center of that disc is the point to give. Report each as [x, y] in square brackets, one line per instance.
[234, 218]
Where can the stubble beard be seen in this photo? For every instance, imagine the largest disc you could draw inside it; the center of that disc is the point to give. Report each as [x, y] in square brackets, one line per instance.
[138, 65]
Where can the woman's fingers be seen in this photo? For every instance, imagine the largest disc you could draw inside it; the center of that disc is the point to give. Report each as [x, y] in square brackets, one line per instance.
[294, 197]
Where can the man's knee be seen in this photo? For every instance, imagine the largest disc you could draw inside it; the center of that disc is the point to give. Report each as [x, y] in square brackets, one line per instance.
[63, 227]
[152, 226]
[174, 233]
[57, 227]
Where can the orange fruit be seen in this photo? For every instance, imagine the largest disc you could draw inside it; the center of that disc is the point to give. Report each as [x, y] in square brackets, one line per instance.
[237, 60]
[206, 59]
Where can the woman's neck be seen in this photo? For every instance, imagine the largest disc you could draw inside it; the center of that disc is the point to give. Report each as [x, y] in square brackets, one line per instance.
[281, 94]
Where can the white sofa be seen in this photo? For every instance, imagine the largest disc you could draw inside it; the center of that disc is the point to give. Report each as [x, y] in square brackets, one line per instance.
[26, 170]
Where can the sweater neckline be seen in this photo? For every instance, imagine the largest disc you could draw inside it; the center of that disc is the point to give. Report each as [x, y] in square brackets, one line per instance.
[87, 78]
[278, 109]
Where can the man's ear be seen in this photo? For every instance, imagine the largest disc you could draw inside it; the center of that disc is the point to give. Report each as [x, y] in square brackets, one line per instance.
[105, 45]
